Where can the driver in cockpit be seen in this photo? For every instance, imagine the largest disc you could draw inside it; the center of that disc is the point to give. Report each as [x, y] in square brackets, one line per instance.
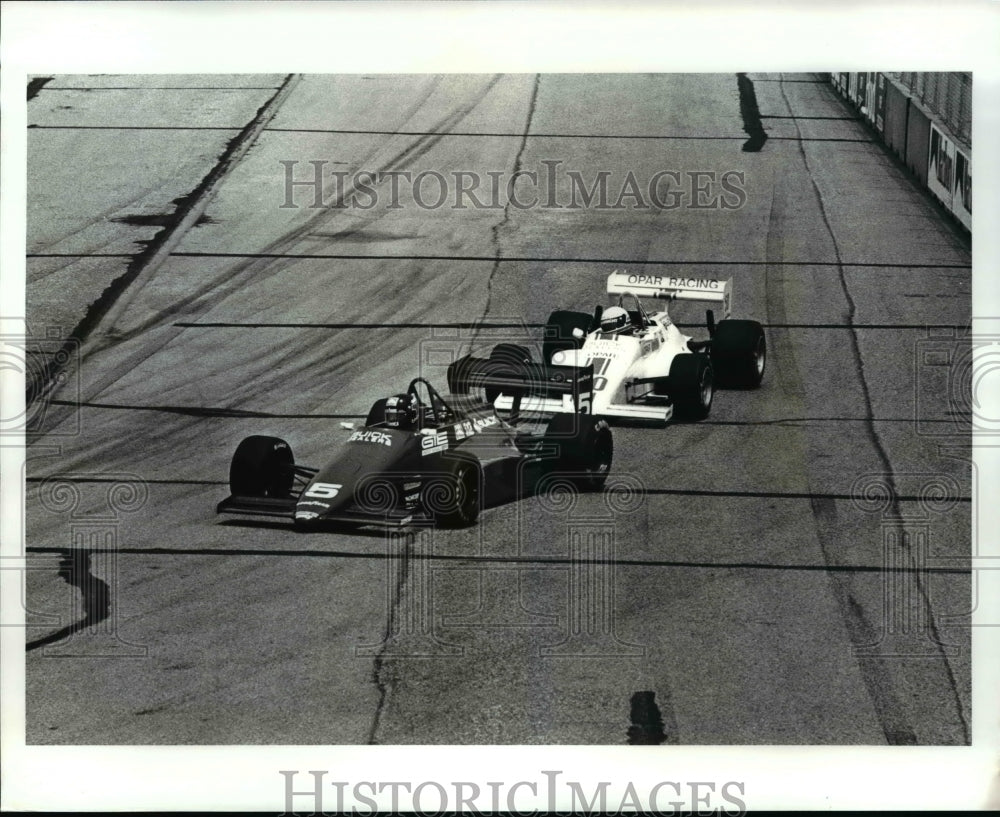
[616, 321]
[402, 411]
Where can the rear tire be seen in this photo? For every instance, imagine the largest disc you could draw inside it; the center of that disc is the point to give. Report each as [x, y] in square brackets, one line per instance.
[510, 354]
[559, 332]
[586, 449]
[691, 386]
[262, 467]
[739, 354]
[456, 491]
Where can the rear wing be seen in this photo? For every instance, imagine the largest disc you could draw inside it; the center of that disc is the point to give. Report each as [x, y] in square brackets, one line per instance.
[562, 388]
[672, 288]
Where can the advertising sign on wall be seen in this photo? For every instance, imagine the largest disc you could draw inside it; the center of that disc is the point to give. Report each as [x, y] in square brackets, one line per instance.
[870, 96]
[962, 199]
[879, 107]
[861, 85]
[941, 166]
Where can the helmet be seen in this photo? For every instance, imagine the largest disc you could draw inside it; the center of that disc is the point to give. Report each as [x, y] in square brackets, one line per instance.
[615, 320]
[401, 411]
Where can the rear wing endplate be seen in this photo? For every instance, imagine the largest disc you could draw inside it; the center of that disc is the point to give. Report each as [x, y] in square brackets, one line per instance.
[572, 386]
[673, 288]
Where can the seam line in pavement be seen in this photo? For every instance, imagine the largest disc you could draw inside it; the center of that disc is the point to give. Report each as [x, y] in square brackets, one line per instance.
[518, 259]
[532, 560]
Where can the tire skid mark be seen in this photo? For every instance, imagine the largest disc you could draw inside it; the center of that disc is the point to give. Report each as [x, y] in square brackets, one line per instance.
[890, 711]
[116, 296]
[381, 676]
[886, 710]
[891, 715]
[260, 267]
[192, 411]
[103, 216]
[774, 287]
[259, 270]
[193, 205]
[411, 152]
[823, 508]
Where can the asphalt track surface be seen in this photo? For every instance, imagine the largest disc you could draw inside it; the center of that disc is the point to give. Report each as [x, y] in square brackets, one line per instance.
[792, 570]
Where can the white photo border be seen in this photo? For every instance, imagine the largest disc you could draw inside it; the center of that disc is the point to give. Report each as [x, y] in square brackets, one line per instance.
[461, 37]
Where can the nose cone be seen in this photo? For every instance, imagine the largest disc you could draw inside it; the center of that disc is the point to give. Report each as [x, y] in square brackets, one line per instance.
[360, 478]
[569, 357]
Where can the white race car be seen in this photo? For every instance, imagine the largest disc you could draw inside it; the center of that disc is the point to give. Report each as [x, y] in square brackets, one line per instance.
[644, 367]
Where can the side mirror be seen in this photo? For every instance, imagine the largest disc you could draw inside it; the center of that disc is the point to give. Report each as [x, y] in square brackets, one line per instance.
[578, 333]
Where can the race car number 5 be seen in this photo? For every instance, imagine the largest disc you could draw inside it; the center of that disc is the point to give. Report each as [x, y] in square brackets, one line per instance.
[323, 490]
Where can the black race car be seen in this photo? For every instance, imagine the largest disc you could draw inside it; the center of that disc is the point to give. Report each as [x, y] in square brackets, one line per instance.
[419, 456]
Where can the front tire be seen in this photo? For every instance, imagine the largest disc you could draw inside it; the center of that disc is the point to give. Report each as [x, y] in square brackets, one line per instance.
[559, 332]
[508, 354]
[739, 354]
[262, 467]
[452, 495]
[692, 386]
[586, 449]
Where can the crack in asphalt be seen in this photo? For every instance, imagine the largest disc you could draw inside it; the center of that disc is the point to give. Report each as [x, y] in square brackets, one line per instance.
[383, 686]
[890, 712]
[501, 225]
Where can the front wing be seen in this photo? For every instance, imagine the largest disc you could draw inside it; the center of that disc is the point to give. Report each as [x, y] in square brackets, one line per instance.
[285, 508]
[625, 411]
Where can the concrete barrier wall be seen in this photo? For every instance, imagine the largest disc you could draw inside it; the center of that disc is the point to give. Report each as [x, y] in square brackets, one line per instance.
[917, 134]
[896, 111]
